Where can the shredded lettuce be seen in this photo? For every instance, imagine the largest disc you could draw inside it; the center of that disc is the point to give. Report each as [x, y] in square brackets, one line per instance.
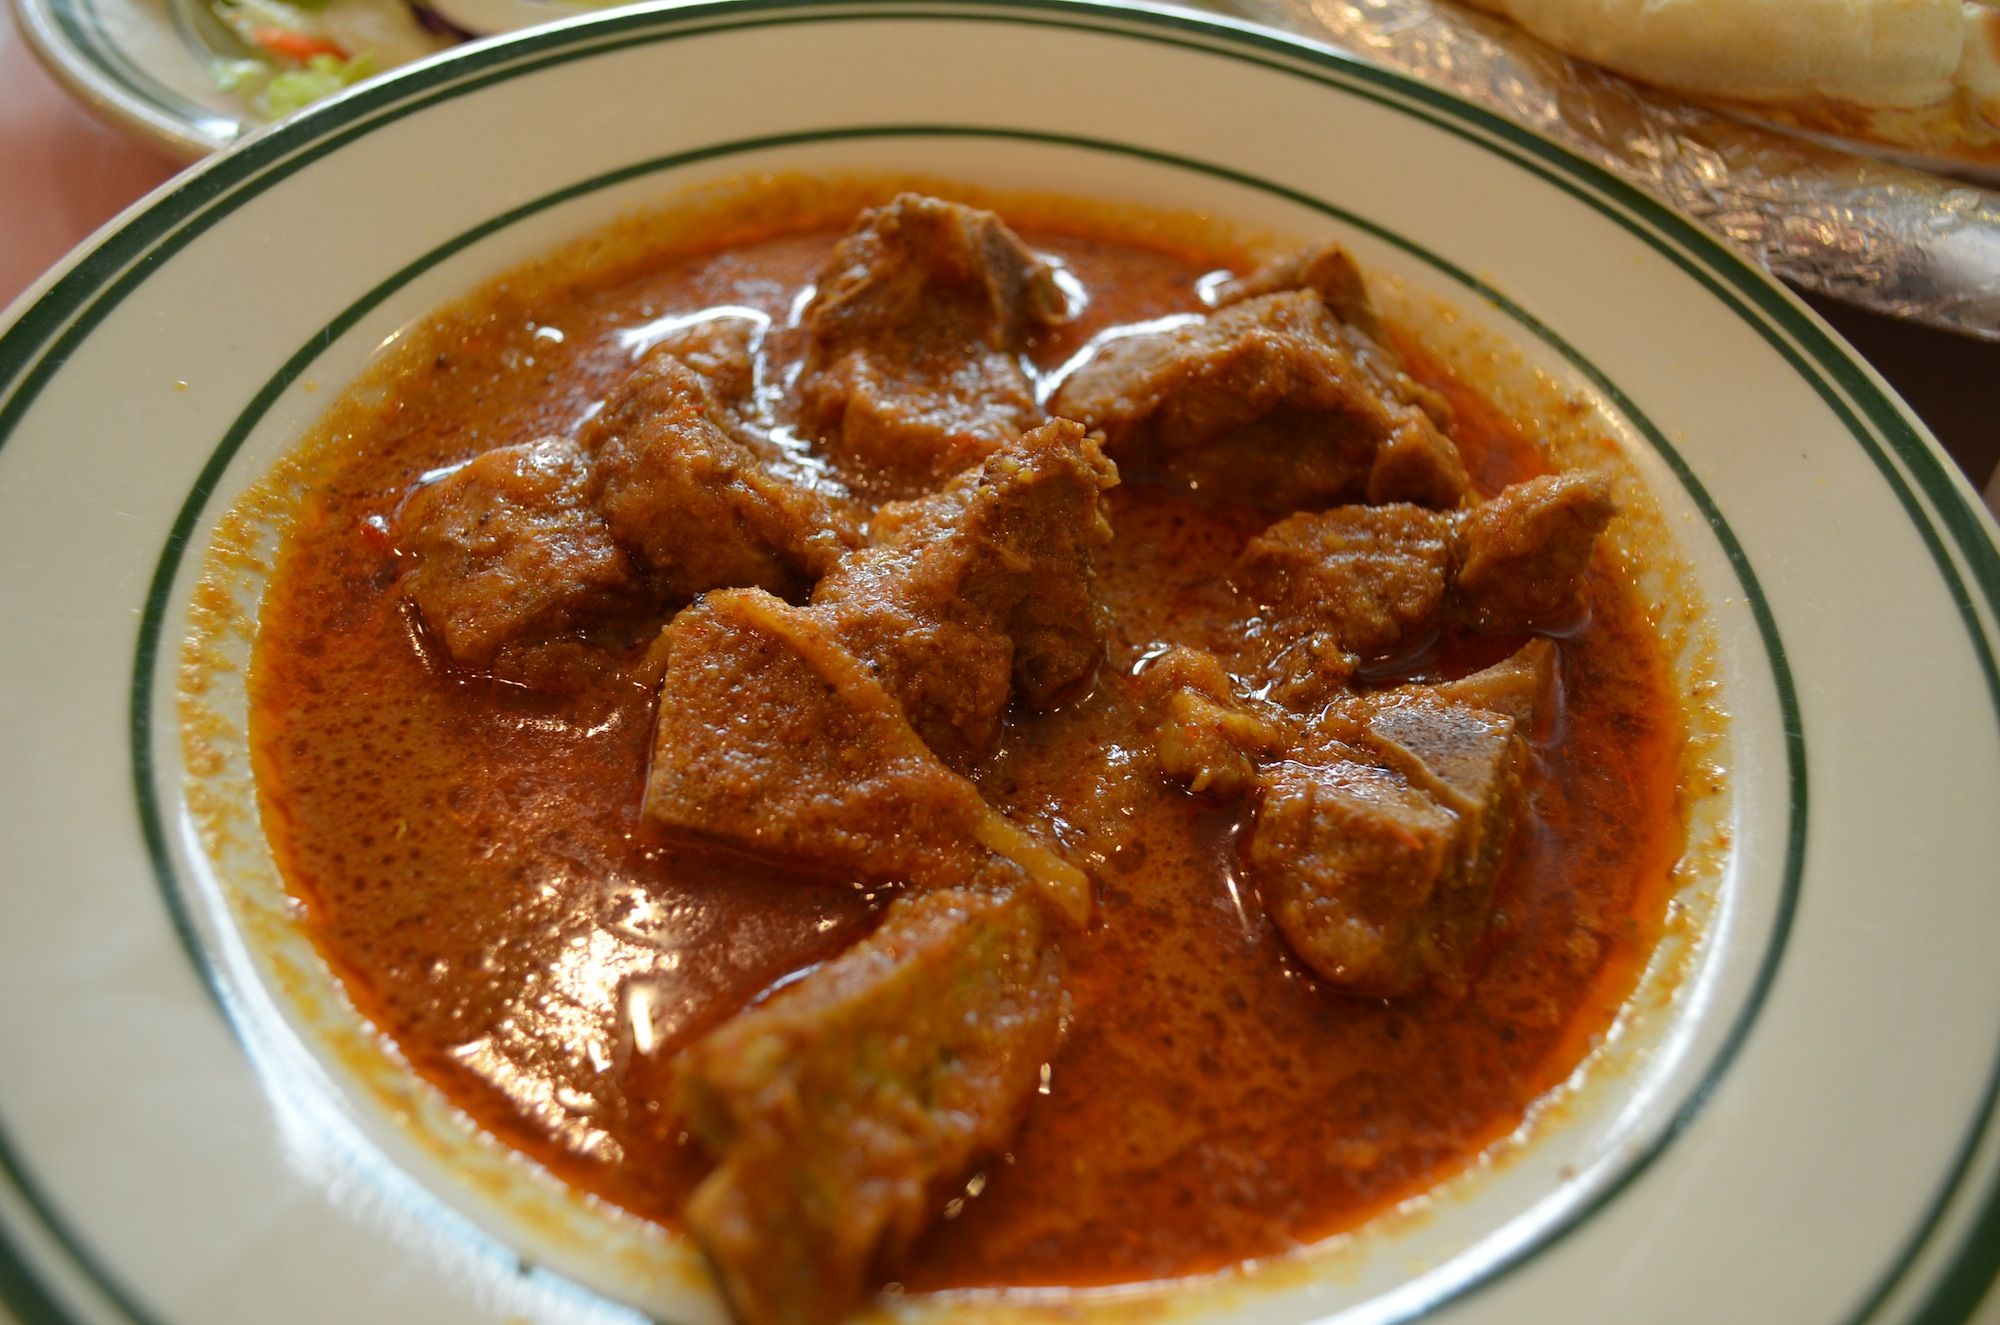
[244, 16]
[274, 74]
[322, 76]
[274, 91]
[243, 78]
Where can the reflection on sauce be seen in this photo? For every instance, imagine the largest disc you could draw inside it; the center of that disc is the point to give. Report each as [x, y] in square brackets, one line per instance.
[471, 858]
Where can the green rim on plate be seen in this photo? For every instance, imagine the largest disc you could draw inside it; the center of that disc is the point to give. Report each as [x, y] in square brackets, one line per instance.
[1937, 506]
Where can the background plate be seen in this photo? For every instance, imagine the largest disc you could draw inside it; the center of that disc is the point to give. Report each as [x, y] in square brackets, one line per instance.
[140, 63]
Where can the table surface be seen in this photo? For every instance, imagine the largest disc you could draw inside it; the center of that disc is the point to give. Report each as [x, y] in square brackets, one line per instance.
[63, 174]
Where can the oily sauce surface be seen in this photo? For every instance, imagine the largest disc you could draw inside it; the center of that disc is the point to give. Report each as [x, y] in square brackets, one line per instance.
[471, 857]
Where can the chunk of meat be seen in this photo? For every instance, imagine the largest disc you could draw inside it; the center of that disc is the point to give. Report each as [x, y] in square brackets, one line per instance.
[901, 425]
[1206, 736]
[1327, 271]
[1272, 400]
[773, 738]
[844, 1110]
[722, 348]
[507, 550]
[1377, 850]
[1330, 273]
[912, 369]
[1370, 576]
[1520, 685]
[928, 263]
[1378, 855]
[1349, 858]
[680, 481]
[1466, 758]
[1522, 554]
[982, 590]
[1334, 588]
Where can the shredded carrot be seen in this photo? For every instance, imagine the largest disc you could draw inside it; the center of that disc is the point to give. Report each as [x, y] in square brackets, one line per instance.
[296, 46]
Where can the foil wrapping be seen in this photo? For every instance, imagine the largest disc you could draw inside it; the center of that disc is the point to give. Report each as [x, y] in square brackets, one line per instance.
[1884, 236]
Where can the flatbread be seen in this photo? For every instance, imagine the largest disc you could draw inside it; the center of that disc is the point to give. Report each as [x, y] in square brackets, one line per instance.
[1922, 76]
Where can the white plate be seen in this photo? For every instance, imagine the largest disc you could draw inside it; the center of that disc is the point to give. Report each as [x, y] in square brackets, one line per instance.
[1806, 1133]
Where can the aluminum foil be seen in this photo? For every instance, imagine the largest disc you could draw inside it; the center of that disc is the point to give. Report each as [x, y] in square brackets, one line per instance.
[1886, 237]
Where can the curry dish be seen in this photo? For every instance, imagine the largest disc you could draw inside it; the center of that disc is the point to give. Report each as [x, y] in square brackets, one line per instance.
[921, 749]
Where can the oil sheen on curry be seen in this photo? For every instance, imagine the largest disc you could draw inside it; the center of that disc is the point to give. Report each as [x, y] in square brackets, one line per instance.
[918, 749]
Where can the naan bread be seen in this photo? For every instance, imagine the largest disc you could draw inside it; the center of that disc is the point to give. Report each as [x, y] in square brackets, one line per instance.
[1923, 75]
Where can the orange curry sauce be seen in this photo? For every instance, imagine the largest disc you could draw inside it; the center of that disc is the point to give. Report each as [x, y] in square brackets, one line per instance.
[473, 864]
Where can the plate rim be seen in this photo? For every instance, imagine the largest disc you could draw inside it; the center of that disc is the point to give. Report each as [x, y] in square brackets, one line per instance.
[1849, 388]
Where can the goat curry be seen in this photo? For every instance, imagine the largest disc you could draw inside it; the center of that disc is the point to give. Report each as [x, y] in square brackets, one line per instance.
[918, 749]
